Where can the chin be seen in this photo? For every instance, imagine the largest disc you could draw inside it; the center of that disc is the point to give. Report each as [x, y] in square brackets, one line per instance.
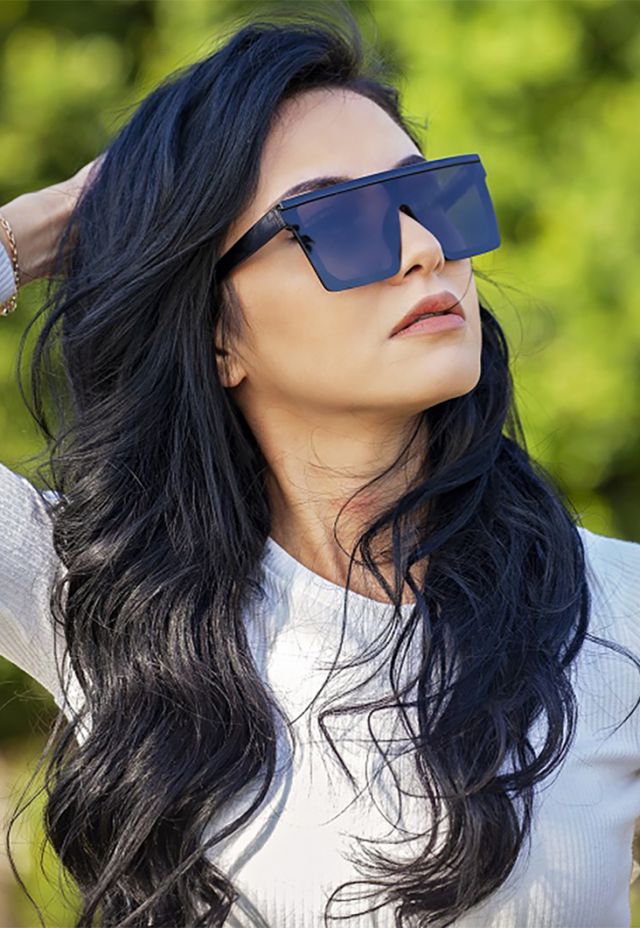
[458, 386]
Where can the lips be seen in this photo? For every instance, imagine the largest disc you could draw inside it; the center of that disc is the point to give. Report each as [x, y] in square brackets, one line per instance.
[445, 300]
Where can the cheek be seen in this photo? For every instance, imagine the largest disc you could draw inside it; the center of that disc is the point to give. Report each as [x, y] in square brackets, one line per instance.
[298, 328]
[471, 306]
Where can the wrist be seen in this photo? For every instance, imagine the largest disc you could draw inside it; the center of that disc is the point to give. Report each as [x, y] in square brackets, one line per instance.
[37, 219]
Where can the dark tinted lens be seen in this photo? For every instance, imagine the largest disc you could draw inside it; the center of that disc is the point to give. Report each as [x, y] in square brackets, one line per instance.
[453, 203]
[352, 238]
[344, 236]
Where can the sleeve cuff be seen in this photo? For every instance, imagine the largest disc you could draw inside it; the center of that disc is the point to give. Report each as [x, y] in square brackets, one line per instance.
[7, 277]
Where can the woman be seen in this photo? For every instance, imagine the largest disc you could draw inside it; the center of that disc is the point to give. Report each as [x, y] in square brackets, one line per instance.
[336, 645]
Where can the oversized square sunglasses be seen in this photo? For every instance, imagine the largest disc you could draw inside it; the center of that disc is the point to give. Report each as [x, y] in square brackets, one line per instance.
[350, 231]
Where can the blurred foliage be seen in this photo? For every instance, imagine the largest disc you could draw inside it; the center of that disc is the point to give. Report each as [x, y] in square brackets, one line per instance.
[546, 91]
[37, 863]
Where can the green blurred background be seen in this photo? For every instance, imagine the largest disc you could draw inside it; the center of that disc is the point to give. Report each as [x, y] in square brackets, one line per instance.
[547, 92]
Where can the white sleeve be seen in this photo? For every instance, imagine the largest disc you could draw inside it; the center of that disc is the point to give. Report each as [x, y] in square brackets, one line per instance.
[27, 566]
[7, 277]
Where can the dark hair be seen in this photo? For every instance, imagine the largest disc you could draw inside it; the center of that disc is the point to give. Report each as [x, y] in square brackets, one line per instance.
[162, 518]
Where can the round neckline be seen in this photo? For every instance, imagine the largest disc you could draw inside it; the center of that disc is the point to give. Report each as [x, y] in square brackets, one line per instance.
[287, 571]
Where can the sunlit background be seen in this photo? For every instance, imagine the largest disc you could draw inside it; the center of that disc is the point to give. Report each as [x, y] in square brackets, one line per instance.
[546, 91]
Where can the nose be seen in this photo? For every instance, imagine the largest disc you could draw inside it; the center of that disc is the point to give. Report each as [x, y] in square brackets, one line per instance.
[418, 246]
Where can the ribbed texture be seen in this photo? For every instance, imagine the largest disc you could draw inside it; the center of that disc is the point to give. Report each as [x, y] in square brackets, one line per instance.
[293, 853]
[7, 277]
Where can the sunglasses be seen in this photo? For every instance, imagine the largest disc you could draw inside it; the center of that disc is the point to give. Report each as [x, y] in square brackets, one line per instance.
[350, 232]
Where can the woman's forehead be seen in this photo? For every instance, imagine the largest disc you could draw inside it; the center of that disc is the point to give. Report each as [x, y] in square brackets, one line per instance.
[325, 133]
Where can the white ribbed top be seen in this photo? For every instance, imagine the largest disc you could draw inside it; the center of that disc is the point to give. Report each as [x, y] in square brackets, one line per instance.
[293, 852]
[7, 277]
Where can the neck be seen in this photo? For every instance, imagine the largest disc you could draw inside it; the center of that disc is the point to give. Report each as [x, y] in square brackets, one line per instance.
[310, 484]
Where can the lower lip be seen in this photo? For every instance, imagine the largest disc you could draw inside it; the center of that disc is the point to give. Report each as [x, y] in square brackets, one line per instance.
[434, 324]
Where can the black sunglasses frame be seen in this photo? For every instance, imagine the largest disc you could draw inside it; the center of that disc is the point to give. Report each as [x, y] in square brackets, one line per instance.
[268, 226]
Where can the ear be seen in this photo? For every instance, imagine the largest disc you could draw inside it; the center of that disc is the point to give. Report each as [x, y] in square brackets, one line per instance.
[230, 370]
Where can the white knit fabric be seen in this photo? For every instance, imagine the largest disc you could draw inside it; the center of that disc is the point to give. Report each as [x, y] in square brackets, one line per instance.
[291, 854]
[7, 277]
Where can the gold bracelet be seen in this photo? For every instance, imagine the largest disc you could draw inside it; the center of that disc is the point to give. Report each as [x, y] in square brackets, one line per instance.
[9, 305]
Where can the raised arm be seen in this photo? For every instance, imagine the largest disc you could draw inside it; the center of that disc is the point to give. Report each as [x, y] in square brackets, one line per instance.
[36, 219]
[27, 557]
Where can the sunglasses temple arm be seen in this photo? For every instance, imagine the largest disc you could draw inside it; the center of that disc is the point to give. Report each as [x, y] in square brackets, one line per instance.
[257, 236]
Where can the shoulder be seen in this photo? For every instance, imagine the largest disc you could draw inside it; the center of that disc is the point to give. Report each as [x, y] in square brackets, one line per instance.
[24, 503]
[613, 573]
[28, 558]
[616, 561]
[28, 568]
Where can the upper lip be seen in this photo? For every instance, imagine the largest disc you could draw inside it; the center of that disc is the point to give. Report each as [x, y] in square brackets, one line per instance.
[430, 304]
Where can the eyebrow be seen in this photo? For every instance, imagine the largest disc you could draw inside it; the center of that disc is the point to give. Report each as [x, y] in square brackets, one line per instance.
[316, 183]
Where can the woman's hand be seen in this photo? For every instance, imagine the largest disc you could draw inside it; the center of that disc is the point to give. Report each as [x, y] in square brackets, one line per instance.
[71, 188]
[38, 218]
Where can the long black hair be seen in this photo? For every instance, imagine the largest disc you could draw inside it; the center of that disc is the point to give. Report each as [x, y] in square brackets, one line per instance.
[162, 517]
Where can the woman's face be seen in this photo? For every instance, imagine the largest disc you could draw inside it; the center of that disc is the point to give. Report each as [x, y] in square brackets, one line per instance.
[327, 354]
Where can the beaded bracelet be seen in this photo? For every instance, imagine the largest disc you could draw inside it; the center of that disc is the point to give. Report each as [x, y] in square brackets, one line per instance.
[9, 305]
